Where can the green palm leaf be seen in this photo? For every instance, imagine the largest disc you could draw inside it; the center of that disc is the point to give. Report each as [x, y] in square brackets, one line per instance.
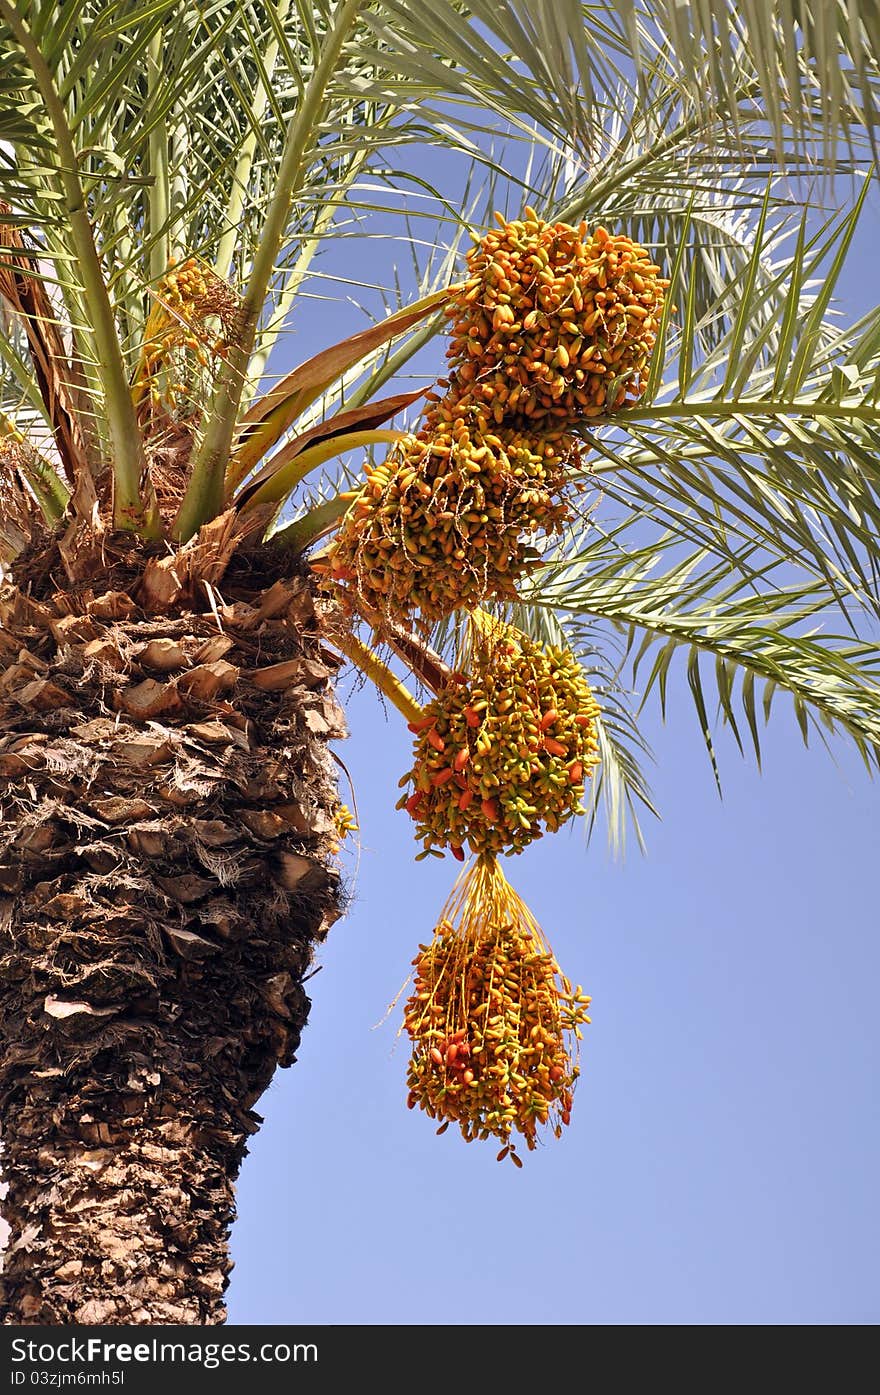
[661, 608]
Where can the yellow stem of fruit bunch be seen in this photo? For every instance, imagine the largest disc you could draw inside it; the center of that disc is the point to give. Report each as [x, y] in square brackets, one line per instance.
[379, 673]
[491, 1018]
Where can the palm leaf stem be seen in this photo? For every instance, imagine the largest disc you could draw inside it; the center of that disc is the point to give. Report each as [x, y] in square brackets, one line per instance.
[204, 495]
[128, 456]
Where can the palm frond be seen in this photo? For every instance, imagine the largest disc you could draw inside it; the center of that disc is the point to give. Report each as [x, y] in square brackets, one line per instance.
[809, 74]
[753, 625]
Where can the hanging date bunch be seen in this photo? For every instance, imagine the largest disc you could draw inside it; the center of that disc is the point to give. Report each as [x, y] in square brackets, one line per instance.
[192, 319]
[554, 322]
[502, 754]
[445, 523]
[553, 326]
[493, 1022]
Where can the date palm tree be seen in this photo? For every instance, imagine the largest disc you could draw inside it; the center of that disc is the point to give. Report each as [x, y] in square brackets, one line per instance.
[169, 173]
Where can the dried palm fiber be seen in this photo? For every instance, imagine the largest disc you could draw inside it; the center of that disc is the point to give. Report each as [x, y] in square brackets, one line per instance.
[167, 817]
[492, 1019]
[553, 322]
[443, 524]
[19, 517]
[502, 752]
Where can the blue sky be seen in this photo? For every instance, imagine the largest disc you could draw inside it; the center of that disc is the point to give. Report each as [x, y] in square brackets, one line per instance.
[722, 1159]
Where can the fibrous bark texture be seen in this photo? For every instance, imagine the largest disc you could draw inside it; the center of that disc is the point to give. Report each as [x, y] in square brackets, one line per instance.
[166, 867]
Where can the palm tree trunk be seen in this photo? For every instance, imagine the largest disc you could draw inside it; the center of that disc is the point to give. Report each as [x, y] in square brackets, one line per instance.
[166, 867]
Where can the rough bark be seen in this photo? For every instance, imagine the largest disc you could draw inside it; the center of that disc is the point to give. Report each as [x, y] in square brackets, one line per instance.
[166, 867]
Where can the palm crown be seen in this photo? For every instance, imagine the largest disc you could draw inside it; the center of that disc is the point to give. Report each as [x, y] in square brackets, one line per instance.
[739, 491]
